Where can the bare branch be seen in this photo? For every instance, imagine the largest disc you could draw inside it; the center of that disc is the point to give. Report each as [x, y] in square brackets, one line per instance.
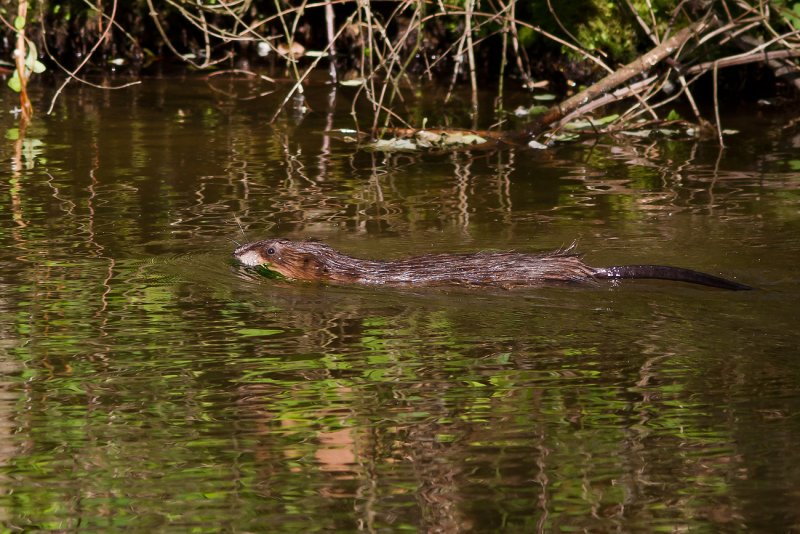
[622, 75]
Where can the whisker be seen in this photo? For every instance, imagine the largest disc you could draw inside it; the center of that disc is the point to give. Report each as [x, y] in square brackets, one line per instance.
[239, 223]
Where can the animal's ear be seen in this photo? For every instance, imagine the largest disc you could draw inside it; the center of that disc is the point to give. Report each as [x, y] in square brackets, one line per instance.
[312, 263]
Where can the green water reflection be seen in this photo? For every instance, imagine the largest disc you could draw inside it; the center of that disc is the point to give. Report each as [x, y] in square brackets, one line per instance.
[147, 383]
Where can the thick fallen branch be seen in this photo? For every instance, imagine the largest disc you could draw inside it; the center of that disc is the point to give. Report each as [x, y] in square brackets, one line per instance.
[640, 66]
[743, 59]
[608, 98]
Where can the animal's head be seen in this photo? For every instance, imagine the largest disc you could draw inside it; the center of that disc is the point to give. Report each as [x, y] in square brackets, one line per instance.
[297, 260]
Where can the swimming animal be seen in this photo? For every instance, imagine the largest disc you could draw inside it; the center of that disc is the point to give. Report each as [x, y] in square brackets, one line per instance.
[315, 261]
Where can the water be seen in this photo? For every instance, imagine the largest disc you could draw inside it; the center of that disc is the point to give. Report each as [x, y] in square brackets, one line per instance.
[149, 383]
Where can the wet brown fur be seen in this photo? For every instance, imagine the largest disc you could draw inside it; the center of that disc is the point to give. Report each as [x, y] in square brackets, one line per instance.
[314, 261]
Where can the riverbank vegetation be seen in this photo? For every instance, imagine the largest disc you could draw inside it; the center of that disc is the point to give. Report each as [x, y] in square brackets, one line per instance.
[645, 57]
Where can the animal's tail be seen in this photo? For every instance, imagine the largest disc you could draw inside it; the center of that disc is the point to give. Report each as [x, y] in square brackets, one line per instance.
[664, 272]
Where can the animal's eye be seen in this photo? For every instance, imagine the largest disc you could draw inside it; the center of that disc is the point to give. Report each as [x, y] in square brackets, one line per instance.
[270, 251]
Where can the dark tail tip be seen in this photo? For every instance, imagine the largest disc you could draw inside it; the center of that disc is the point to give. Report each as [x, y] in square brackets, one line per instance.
[664, 272]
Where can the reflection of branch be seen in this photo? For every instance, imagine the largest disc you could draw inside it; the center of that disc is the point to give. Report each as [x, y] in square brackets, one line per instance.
[245, 73]
[15, 189]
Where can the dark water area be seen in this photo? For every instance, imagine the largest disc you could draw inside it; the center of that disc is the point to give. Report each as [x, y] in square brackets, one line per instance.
[147, 382]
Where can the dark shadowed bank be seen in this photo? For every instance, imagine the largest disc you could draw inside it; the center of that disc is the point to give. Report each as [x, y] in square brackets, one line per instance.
[649, 55]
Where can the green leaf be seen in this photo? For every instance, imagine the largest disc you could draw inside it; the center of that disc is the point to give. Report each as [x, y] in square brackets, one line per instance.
[578, 125]
[266, 272]
[607, 119]
[673, 115]
[19, 23]
[14, 82]
[793, 16]
[352, 83]
[588, 123]
[564, 137]
[537, 110]
[38, 67]
[258, 332]
[32, 57]
[393, 144]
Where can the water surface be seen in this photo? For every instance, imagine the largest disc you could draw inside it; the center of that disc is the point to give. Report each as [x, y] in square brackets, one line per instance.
[147, 382]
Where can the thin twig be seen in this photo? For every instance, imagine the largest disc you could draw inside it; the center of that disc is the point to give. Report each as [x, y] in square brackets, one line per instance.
[716, 109]
[329, 31]
[308, 71]
[560, 25]
[154, 15]
[71, 75]
[652, 33]
[622, 75]
[608, 98]
[742, 59]
[471, 59]
[503, 57]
